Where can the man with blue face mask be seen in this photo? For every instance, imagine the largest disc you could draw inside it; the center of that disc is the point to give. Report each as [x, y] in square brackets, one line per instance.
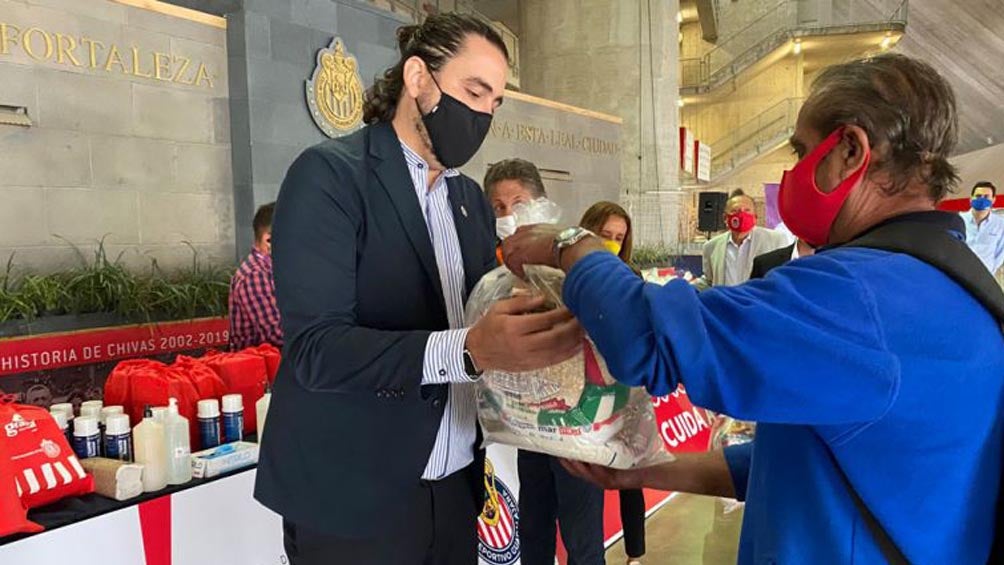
[984, 229]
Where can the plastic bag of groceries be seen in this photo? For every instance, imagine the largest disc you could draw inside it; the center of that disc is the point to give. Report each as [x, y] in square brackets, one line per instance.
[575, 409]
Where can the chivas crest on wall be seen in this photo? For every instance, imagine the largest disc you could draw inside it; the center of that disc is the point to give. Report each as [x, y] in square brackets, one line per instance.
[335, 91]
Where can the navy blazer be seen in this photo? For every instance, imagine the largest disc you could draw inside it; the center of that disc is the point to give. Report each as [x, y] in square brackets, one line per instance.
[350, 427]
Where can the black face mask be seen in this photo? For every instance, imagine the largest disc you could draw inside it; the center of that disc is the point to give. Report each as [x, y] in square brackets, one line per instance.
[456, 130]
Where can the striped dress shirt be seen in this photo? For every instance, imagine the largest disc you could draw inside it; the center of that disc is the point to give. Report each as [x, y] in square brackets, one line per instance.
[454, 447]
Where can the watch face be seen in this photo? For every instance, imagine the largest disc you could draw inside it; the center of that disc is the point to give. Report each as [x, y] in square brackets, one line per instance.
[568, 234]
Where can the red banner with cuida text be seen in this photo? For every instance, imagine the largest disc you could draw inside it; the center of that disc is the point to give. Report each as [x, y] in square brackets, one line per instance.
[683, 426]
[69, 349]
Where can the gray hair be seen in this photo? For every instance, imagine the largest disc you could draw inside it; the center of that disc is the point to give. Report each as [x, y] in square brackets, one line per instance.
[515, 169]
[900, 102]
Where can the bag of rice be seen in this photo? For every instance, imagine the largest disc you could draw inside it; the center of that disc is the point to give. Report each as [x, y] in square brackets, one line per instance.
[576, 409]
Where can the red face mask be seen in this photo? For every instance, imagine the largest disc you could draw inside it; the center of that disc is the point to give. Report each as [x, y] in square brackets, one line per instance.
[807, 211]
[741, 221]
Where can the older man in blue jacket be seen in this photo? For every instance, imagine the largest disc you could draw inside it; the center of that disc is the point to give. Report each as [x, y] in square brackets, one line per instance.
[876, 391]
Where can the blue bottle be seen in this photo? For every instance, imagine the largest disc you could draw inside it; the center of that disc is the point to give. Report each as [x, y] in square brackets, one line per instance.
[86, 437]
[233, 418]
[118, 437]
[209, 422]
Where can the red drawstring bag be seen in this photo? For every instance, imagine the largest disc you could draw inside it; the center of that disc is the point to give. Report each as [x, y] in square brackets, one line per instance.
[243, 374]
[207, 383]
[272, 357]
[138, 383]
[44, 466]
[13, 514]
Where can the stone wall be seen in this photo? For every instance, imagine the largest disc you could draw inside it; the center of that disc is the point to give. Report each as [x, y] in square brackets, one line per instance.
[579, 154]
[273, 50]
[129, 136]
[618, 58]
[274, 43]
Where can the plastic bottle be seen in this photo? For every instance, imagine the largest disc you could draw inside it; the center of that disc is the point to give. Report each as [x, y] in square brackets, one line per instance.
[103, 417]
[109, 411]
[261, 409]
[209, 422]
[233, 418]
[151, 452]
[159, 412]
[64, 425]
[118, 438]
[179, 448]
[91, 408]
[86, 437]
[64, 407]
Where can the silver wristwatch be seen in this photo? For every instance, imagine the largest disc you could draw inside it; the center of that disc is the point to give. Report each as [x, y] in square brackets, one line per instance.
[566, 239]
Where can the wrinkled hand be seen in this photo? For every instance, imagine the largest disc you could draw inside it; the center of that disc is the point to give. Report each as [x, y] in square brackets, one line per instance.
[605, 477]
[511, 338]
[530, 245]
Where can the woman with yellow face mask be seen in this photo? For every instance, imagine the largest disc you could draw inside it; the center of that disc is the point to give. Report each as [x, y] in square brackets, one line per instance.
[612, 223]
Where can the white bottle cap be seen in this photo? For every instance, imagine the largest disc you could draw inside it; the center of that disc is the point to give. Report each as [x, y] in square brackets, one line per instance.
[209, 408]
[61, 420]
[97, 403]
[85, 426]
[233, 403]
[91, 411]
[111, 411]
[117, 424]
[159, 412]
[65, 408]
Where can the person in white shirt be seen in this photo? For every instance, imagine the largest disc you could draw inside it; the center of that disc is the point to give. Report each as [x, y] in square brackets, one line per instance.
[984, 229]
[728, 257]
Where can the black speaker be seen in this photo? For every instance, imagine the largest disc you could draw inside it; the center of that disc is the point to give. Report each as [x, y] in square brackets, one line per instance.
[711, 211]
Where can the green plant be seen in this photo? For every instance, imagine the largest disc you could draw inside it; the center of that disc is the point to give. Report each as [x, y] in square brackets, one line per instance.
[103, 285]
[46, 294]
[649, 256]
[99, 286]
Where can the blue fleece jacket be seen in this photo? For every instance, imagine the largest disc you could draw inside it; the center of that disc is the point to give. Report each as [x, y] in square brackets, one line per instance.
[871, 360]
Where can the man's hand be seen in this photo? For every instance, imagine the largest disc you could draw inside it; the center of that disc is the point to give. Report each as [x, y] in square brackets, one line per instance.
[605, 477]
[697, 473]
[511, 338]
[530, 245]
[534, 245]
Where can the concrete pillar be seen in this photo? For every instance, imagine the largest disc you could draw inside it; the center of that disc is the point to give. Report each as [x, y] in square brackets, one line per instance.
[619, 58]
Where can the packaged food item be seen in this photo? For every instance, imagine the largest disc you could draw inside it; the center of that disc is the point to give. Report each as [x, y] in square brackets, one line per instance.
[575, 409]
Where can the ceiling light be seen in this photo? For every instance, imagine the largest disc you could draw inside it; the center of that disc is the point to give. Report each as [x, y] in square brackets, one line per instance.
[798, 47]
[679, 17]
[680, 103]
[886, 41]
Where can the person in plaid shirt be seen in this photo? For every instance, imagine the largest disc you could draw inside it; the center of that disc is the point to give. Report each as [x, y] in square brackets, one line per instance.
[254, 318]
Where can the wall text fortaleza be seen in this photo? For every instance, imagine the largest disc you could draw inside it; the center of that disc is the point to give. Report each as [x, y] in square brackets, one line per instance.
[85, 52]
[525, 133]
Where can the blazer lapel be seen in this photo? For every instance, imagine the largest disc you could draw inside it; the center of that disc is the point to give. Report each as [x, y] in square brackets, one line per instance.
[464, 220]
[720, 254]
[392, 171]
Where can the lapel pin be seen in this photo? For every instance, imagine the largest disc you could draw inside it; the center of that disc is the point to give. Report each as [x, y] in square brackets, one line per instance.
[463, 211]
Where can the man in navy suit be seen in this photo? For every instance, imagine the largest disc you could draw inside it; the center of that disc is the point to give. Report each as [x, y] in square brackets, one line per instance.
[372, 451]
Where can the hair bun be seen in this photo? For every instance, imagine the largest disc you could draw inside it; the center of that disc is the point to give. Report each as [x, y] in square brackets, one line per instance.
[404, 36]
